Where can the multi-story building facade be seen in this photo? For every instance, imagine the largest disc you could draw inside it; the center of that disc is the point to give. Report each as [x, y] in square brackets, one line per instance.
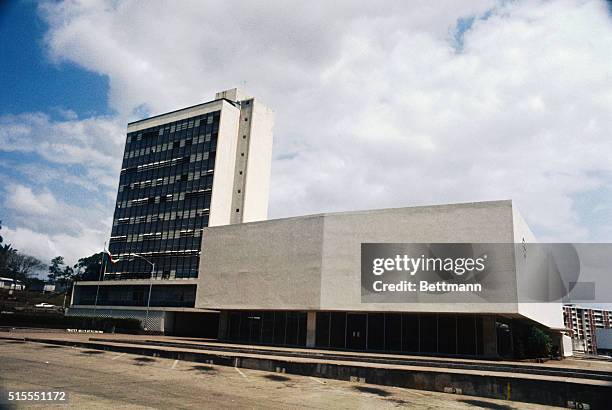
[582, 324]
[196, 256]
[182, 171]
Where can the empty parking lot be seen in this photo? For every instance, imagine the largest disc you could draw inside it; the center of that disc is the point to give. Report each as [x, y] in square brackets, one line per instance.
[100, 379]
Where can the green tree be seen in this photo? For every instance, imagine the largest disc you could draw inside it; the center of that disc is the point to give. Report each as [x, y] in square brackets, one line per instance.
[539, 344]
[6, 253]
[67, 276]
[88, 268]
[55, 269]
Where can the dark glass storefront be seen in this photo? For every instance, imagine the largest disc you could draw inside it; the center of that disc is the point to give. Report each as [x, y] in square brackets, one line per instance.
[136, 295]
[266, 327]
[401, 332]
[411, 333]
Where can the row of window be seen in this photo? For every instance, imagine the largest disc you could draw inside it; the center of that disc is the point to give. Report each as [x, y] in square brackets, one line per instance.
[195, 157]
[157, 157]
[179, 196]
[176, 225]
[166, 171]
[184, 142]
[169, 180]
[150, 236]
[167, 207]
[171, 128]
[180, 264]
[137, 295]
[164, 216]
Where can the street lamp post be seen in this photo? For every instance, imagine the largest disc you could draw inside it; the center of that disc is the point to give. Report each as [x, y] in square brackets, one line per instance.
[146, 323]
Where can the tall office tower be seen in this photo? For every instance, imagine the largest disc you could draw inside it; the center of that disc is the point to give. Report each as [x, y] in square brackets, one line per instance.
[182, 171]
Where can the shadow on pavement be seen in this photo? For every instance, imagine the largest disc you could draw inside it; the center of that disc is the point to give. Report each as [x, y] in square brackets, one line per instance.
[92, 352]
[486, 405]
[372, 390]
[142, 360]
[204, 369]
[276, 378]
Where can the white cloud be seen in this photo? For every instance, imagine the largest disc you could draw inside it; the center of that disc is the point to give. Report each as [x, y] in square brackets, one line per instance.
[96, 143]
[46, 246]
[44, 226]
[377, 104]
[62, 201]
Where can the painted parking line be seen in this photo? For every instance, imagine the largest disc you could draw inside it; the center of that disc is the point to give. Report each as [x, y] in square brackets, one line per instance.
[317, 380]
[118, 356]
[241, 373]
[174, 364]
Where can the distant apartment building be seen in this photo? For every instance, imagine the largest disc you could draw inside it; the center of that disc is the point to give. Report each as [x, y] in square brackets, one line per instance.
[582, 324]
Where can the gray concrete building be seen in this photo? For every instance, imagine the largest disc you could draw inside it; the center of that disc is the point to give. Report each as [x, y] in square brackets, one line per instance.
[297, 281]
[196, 255]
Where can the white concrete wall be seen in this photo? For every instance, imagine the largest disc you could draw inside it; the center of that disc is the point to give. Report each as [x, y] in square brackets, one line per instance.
[225, 163]
[484, 222]
[258, 164]
[269, 265]
[313, 262]
[549, 314]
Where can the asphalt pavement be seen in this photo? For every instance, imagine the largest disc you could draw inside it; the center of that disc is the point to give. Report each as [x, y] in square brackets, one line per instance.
[96, 379]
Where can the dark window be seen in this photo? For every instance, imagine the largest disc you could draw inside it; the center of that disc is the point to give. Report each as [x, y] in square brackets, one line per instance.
[447, 334]
[267, 327]
[279, 328]
[376, 331]
[322, 335]
[338, 329]
[428, 333]
[410, 333]
[466, 335]
[291, 337]
[393, 332]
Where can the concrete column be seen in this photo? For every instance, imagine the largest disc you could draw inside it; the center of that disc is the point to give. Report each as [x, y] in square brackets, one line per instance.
[489, 336]
[311, 329]
[223, 322]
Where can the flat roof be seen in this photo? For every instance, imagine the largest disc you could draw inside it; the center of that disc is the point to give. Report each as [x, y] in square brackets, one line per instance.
[181, 109]
[501, 202]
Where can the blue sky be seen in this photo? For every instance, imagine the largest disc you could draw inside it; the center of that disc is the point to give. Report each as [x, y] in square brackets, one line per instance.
[412, 104]
[30, 81]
